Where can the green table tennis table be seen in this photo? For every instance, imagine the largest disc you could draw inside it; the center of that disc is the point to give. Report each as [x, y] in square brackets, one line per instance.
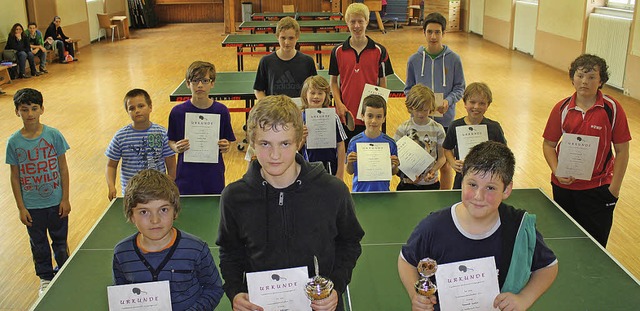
[270, 42]
[589, 277]
[297, 15]
[305, 25]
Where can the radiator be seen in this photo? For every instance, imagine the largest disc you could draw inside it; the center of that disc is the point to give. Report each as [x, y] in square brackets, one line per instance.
[93, 8]
[476, 16]
[524, 29]
[608, 37]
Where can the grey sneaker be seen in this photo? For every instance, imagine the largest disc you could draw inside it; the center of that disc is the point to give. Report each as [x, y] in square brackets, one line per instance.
[43, 285]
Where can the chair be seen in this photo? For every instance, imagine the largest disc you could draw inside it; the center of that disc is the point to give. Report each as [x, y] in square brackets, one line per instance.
[413, 12]
[105, 23]
[288, 8]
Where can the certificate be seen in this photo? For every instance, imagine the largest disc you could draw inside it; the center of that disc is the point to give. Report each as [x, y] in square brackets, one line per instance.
[374, 161]
[370, 89]
[468, 136]
[577, 156]
[203, 132]
[438, 103]
[141, 296]
[321, 124]
[414, 160]
[467, 285]
[277, 290]
[297, 101]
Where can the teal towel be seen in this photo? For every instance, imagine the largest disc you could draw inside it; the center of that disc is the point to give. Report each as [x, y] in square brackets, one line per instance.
[522, 257]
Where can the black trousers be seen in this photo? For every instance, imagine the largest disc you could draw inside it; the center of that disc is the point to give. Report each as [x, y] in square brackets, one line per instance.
[47, 220]
[591, 208]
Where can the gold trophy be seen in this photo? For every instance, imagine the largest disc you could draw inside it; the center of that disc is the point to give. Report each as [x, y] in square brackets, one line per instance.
[318, 287]
[427, 268]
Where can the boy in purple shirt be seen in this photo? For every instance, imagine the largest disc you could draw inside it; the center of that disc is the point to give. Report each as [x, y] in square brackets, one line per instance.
[193, 177]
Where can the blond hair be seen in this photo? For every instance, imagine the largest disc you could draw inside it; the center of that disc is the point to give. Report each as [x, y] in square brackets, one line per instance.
[287, 23]
[317, 83]
[274, 112]
[357, 9]
[148, 185]
[420, 97]
[478, 88]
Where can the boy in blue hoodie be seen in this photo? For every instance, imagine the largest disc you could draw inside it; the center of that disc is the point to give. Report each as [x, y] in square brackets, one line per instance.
[439, 68]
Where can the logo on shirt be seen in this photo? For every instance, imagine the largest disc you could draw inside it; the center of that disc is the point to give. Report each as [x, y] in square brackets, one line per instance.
[596, 127]
[286, 82]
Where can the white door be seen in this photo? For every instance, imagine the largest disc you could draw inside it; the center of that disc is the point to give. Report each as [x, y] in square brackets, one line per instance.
[476, 16]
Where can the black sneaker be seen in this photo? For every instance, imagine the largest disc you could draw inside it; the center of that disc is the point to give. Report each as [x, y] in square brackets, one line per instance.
[43, 70]
[35, 74]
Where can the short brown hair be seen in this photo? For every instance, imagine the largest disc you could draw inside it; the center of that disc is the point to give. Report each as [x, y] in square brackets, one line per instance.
[200, 69]
[420, 97]
[272, 112]
[588, 62]
[374, 101]
[148, 185]
[319, 83]
[287, 23]
[135, 93]
[478, 88]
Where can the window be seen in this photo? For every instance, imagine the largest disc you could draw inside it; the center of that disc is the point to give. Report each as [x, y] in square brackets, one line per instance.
[621, 4]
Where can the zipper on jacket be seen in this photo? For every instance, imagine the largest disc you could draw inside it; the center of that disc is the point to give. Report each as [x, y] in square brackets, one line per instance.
[281, 199]
[433, 61]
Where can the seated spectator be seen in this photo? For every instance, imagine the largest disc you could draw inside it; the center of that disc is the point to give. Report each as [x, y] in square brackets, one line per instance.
[18, 41]
[60, 41]
[37, 45]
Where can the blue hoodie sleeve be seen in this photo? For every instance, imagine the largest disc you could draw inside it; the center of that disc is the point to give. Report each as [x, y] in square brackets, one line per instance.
[458, 81]
[411, 80]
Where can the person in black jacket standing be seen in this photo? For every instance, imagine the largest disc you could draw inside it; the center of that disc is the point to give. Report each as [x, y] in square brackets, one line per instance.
[284, 211]
[19, 42]
[60, 40]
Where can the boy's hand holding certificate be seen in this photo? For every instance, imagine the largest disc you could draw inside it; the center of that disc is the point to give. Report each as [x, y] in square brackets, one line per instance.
[468, 136]
[370, 89]
[439, 102]
[277, 290]
[467, 285]
[414, 160]
[577, 156]
[203, 132]
[374, 161]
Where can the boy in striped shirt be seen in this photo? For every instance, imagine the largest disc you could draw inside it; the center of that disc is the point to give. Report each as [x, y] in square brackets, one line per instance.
[141, 144]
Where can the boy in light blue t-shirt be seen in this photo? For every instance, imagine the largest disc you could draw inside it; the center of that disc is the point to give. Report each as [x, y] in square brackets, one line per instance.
[374, 113]
[40, 183]
[141, 144]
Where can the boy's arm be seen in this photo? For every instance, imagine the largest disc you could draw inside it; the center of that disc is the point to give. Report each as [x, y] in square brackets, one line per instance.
[619, 167]
[395, 164]
[451, 159]
[341, 159]
[351, 158]
[25, 216]
[539, 282]
[341, 109]
[65, 205]
[170, 164]
[458, 84]
[110, 174]
[382, 82]
[549, 150]
[118, 275]
[442, 159]
[409, 276]
[259, 94]
[209, 280]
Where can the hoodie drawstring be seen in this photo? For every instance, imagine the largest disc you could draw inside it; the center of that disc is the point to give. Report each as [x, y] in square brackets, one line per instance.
[424, 59]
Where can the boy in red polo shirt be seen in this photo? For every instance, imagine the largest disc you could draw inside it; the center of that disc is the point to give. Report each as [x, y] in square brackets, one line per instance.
[588, 112]
[357, 61]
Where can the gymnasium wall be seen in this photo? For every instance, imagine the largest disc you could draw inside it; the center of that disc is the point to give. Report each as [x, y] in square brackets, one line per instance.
[74, 19]
[632, 74]
[497, 22]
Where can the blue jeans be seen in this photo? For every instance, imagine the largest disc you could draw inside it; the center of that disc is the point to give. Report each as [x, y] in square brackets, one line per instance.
[47, 219]
[22, 62]
[43, 58]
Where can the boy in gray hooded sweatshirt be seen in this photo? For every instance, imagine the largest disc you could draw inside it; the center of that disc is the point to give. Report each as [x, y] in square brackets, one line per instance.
[440, 69]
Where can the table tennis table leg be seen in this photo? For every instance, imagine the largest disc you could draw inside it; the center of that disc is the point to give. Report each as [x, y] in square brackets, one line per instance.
[318, 48]
[239, 58]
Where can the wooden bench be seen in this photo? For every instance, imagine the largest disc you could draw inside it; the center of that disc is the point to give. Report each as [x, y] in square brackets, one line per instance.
[4, 74]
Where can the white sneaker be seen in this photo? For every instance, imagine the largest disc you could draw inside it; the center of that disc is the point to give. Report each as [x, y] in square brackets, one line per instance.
[43, 285]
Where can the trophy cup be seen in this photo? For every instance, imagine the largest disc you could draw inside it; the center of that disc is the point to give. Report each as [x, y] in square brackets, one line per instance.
[318, 287]
[426, 267]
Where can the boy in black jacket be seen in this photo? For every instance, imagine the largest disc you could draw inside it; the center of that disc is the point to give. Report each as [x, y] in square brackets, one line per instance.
[285, 210]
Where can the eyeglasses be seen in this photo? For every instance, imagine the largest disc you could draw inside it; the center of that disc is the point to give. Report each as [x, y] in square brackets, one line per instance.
[204, 81]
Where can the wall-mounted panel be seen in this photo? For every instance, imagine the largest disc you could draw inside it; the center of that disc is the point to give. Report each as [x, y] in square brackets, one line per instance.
[562, 18]
[499, 9]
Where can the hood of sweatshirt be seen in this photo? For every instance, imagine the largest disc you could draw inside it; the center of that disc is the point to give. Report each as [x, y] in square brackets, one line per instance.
[439, 59]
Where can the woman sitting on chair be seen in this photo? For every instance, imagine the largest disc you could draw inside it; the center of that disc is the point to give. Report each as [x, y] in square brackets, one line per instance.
[19, 42]
[54, 31]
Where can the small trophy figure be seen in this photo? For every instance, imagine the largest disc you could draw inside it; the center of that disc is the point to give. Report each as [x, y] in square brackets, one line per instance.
[318, 287]
[426, 267]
